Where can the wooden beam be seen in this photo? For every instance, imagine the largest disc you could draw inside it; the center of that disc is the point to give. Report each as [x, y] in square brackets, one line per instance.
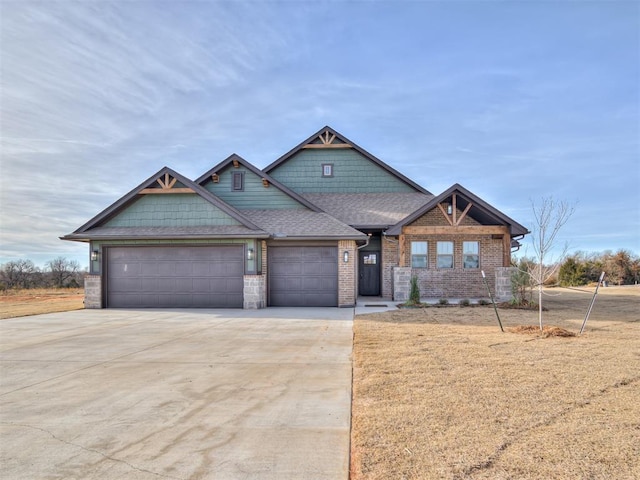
[444, 213]
[456, 230]
[455, 209]
[146, 191]
[401, 246]
[327, 145]
[506, 250]
[464, 213]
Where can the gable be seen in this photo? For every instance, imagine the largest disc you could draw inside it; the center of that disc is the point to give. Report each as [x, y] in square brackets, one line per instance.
[176, 210]
[254, 192]
[327, 162]
[352, 172]
[457, 207]
[166, 200]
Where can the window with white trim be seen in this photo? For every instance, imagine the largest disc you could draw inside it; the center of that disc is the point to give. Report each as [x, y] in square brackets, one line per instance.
[327, 169]
[471, 254]
[445, 255]
[419, 254]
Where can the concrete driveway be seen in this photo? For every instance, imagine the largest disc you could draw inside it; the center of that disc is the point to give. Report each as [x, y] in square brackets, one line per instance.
[219, 394]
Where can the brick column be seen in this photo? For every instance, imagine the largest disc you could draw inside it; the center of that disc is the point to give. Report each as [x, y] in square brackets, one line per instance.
[347, 273]
[92, 291]
[253, 292]
[401, 283]
[503, 291]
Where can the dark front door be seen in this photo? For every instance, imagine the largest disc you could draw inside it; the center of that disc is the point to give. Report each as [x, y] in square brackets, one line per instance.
[369, 268]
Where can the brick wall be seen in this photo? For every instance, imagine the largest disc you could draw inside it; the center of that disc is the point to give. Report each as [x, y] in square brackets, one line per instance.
[456, 282]
[347, 273]
[92, 291]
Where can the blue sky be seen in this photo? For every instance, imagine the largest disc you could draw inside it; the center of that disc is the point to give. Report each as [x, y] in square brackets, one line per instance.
[514, 100]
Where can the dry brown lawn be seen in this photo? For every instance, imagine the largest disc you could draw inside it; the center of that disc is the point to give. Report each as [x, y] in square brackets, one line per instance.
[20, 303]
[441, 393]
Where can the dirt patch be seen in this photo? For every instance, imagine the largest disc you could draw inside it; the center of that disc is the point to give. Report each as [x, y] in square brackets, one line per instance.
[20, 303]
[442, 393]
[547, 331]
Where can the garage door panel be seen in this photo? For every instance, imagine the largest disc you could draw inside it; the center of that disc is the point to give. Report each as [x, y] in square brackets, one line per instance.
[175, 277]
[303, 276]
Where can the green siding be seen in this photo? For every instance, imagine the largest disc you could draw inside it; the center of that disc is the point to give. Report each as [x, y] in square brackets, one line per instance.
[352, 173]
[255, 196]
[171, 210]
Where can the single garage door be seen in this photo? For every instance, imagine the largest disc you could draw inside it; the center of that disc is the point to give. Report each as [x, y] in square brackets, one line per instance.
[303, 276]
[175, 277]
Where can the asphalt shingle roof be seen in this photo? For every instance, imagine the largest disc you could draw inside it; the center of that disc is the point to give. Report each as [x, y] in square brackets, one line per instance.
[220, 231]
[369, 209]
[301, 224]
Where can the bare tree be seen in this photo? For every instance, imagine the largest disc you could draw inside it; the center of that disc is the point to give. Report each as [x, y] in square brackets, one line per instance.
[550, 216]
[18, 273]
[62, 271]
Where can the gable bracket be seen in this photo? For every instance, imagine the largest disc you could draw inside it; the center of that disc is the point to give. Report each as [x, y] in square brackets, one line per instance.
[444, 213]
[166, 186]
[464, 213]
[326, 141]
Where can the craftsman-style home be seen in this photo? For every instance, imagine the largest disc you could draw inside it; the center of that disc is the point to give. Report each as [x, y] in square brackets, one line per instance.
[322, 225]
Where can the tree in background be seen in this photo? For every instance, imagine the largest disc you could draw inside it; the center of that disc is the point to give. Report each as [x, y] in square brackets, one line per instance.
[550, 216]
[572, 272]
[63, 272]
[19, 274]
[622, 268]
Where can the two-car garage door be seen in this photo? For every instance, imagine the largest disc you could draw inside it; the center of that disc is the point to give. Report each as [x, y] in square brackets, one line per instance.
[175, 276]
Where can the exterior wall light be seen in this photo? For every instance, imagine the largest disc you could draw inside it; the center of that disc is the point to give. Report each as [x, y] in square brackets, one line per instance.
[250, 254]
[345, 256]
[449, 209]
[94, 255]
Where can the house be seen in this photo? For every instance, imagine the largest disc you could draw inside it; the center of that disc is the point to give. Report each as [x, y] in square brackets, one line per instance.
[322, 225]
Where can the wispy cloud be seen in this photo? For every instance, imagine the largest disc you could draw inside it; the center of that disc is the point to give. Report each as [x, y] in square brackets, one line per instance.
[513, 101]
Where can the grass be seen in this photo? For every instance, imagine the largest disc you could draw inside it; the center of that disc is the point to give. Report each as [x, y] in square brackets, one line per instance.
[20, 303]
[443, 394]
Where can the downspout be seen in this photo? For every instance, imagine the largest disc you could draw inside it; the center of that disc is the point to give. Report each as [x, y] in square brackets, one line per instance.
[365, 243]
[389, 239]
[517, 238]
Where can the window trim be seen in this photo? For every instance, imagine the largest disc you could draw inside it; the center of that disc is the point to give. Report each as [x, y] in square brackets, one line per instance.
[420, 255]
[445, 255]
[235, 175]
[330, 166]
[477, 255]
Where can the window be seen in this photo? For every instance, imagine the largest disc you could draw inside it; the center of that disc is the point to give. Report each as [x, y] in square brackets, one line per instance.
[237, 181]
[327, 169]
[371, 259]
[419, 254]
[445, 254]
[471, 254]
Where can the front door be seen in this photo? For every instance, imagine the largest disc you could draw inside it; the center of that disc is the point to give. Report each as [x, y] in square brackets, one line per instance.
[369, 269]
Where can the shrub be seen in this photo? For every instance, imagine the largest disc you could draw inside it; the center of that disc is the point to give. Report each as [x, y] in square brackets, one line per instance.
[443, 301]
[414, 294]
[484, 301]
[465, 302]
